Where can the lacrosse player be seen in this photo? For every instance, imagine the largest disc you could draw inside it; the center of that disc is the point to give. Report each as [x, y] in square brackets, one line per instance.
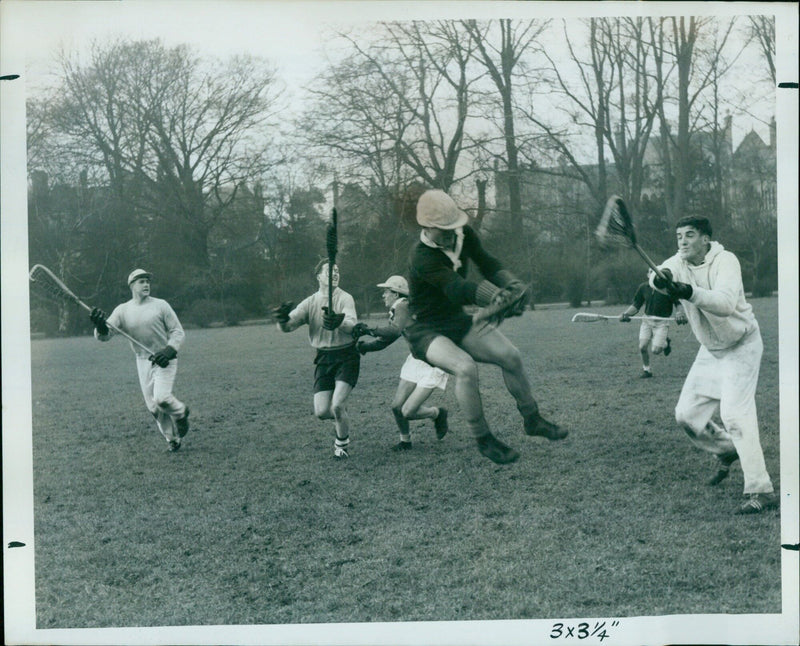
[443, 334]
[337, 361]
[417, 378]
[708, 281]
[658, 309]
[152, 322]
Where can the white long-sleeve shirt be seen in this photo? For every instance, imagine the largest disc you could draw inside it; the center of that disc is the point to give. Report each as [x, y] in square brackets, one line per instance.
[152, 322]
[310, 311]
[717, 311]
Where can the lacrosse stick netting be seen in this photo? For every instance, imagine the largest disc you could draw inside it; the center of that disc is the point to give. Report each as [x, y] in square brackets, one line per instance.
[616, 227]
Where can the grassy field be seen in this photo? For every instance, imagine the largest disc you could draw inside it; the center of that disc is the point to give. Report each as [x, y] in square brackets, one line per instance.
[254, 522]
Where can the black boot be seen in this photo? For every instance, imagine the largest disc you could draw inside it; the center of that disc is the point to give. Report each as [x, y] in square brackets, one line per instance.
[495, 450]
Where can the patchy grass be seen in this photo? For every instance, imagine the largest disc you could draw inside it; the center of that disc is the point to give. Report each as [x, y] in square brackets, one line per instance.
[254, 522]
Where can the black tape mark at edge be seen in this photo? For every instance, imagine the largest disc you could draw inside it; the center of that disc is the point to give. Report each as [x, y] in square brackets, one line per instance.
[16, 544]
[789, 546]
[788, 85]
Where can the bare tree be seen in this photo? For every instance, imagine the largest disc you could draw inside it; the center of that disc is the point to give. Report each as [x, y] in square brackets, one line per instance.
[171, 138]
[500, 48]
[397, 106]
[762, 30]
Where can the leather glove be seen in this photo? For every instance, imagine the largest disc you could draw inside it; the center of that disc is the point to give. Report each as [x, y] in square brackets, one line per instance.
[361, 329]
[331, 320]
[98, 318]
[625, 317]
[281, 313]
[163, 357]
[681, 291]
[662, 283]
[487, 293]
[361, 346]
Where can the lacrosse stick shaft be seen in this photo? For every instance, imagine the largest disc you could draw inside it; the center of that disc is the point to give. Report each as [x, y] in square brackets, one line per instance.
[40, 274]
[333, 244]
[650, 263]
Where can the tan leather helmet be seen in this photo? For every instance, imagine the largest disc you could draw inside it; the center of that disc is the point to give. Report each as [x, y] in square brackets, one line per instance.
[437, 209]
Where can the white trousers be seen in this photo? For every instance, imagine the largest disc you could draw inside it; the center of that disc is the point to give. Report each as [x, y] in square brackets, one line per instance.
[726, 383]
[156, 383]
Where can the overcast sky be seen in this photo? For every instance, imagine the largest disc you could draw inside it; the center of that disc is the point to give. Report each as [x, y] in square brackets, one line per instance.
[293, 35]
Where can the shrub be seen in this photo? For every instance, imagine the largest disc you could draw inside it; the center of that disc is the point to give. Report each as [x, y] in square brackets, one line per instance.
[204, 312]
[234, 314]
[44, 320]
[763, 287]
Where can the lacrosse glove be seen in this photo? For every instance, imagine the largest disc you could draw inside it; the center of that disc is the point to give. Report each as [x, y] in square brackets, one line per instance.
[361, 346]
[163, 357]
[662, 283]
[331, 320]
[98, 318]
[487, 293]
[625, 317]
[361, 329]
[281, 313]
[680, 291]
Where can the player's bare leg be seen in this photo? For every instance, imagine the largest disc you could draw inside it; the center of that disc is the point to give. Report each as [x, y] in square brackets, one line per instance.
[408, 404]
[414, 406]
[401, 395]
[329, 404]
[488, 345]
[341, 421]
[445, 354]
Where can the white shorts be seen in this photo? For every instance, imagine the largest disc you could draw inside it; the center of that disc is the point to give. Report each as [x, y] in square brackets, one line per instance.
[654, 330]
[423, 374]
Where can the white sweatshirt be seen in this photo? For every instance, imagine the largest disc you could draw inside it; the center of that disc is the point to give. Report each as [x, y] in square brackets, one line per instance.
[717, 311]
[152, 322]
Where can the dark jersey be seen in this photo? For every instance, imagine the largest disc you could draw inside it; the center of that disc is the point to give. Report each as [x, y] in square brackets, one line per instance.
[438, 292]
[655, 303]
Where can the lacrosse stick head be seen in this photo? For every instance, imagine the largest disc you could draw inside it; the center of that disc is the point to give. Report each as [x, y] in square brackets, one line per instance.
[48, 285]
[332, 239]
[616, 225]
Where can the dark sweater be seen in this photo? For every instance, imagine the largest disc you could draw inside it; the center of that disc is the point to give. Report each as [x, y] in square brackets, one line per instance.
[438, 292]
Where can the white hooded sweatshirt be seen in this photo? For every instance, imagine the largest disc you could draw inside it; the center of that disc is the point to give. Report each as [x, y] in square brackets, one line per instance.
[717, 311]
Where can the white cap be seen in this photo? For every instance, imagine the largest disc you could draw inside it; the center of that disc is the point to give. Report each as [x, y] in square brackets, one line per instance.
[138, 273]
[437, 209]
[396, 284]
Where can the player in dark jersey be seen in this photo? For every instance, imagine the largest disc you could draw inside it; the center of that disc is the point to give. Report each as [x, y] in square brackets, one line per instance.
[443, 334]
[658, 311]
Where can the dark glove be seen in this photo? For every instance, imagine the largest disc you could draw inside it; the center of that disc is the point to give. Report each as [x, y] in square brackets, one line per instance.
[281, 313]
[681, 291]
[662, 283]
[362, 329]
[361, 346]
[625, 317]
[98, 318]
[163, 357]
[331, 320]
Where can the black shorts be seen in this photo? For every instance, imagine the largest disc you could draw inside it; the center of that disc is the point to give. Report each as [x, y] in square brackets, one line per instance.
[341, 364]
[420, 334]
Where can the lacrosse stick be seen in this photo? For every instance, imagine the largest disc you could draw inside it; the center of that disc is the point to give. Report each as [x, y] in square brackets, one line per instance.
[512, 304]
[332, 244]
[49, 285]
[591, 317]
[616, 227]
